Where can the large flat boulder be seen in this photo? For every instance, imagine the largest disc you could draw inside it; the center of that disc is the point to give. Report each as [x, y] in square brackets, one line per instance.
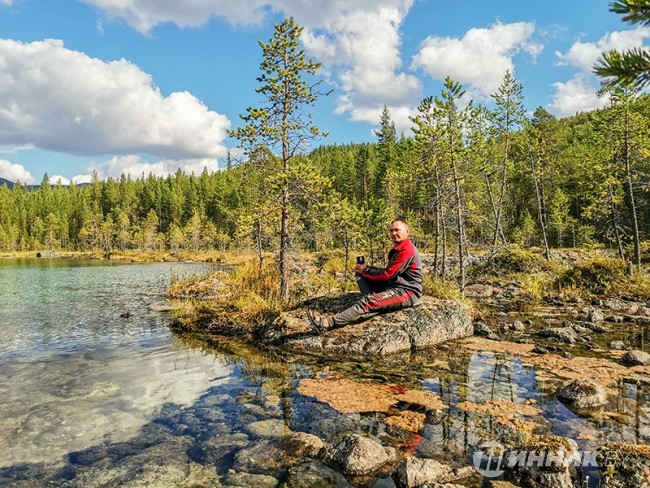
[431, 323]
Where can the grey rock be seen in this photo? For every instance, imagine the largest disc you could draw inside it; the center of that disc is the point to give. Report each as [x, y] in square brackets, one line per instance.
[246, 480]
[636, 358]
[313, 474]
[547, 471]
[594, 327]
[615, 319]
[217, 447]
[268, 428]
[264, 457]
[358, 455]
[579, 329]
[595, 315]
[413, 472]
[617, 345]
[563, 334]
[301, 444]
[518, 326]
[582, 394]
[482, 329]
[431, 323]
[478, 290]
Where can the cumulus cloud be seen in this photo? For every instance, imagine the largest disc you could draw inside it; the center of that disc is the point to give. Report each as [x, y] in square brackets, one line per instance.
[63, 100]
[357, 42]
[583, 55]
[55, 179]
[579, 93]
[15, 172]
[576, 95]
[480, 58]
[135, 167]
[361, 44]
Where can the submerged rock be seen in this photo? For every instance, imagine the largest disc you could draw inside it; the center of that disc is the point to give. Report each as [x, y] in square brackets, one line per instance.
[302, 444]
[358, 455]
[414, 472]
[431, 323]
[563, 334]
[582, 394]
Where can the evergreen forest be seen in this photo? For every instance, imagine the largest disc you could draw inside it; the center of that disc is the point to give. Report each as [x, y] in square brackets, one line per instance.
[466, 178]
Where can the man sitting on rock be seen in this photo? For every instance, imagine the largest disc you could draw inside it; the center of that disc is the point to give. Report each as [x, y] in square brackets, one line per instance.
[397, 286]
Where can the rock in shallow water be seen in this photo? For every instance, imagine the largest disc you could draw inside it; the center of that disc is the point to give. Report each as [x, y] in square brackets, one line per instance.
[358, 455]
[433, 322]
[582, 394]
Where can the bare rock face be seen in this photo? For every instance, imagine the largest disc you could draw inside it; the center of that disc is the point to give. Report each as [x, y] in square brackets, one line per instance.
[433, 322]
[582, 394]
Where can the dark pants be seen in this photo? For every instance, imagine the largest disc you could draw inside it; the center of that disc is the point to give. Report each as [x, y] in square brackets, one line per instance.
[377, 298]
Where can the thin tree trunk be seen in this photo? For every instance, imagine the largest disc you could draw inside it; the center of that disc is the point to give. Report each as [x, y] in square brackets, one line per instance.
[617, 234]
[541, 212]
[498, 231]
[284, 247]
[460, 227]
[630, 191]
[488, 186]
[443, 226]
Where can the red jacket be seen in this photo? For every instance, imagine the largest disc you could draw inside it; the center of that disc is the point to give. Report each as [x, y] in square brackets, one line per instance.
[404, 268]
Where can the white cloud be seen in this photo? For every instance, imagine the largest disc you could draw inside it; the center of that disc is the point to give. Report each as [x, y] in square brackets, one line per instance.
[15, 172]
[144, 15]
[583, 55]
[579, 93]
[7, 2]
[63, 100]
[135, 167]
[55, 179]
[480, 58]
[357, 42]
[576, 95]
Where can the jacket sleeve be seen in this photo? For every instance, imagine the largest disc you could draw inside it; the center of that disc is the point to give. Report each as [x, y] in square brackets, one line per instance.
[395, 266]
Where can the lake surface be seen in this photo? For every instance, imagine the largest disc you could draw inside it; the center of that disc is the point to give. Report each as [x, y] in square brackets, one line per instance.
[96, 391]
[84, 359]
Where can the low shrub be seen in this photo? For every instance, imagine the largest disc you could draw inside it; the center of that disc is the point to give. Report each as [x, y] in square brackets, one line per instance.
[508, 262]
[605, 276]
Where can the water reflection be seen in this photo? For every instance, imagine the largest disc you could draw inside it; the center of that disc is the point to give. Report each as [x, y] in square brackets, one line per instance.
[126, 403]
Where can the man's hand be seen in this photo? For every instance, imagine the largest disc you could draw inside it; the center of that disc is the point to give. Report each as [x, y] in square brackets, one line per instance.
[358, 268]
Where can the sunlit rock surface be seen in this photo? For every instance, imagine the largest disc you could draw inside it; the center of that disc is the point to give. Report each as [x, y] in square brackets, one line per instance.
[431, 323]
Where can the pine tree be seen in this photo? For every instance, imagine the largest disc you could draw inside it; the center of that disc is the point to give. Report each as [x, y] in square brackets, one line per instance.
[283, 122]
[631, 67]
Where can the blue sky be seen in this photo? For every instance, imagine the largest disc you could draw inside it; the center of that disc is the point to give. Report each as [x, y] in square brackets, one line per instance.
[137, 86]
